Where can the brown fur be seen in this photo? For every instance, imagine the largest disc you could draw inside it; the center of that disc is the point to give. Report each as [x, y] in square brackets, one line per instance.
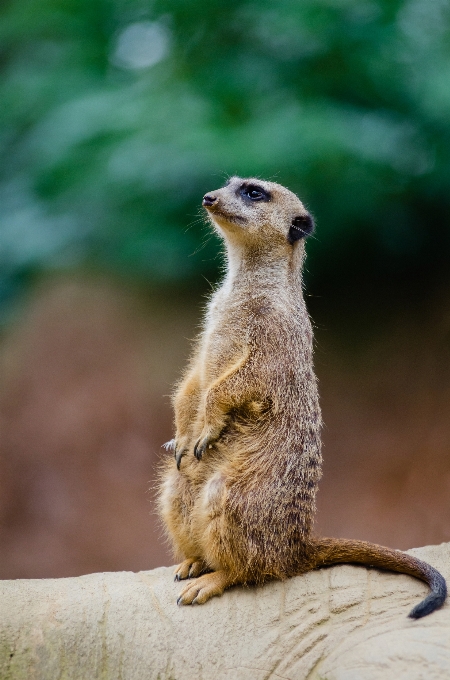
[248, 405]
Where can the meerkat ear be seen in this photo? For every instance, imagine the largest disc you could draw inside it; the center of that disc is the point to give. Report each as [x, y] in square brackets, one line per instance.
[301, 226]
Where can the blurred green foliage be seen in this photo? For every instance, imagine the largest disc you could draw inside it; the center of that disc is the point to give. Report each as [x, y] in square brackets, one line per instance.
[117, 116]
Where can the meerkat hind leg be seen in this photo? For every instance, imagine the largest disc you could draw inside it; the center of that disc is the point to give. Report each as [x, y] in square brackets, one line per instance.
[190, 568]
[205, 587]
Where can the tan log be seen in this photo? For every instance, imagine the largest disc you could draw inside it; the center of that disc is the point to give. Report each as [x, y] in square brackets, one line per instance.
[340, 623]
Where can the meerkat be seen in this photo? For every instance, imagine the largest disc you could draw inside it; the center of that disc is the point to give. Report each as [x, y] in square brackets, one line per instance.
[238, 495]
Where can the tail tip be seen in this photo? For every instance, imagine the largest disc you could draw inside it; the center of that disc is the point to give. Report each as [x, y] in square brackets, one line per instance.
[429, 604]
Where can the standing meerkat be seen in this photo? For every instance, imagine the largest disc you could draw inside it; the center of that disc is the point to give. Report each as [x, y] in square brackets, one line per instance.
[238, 498]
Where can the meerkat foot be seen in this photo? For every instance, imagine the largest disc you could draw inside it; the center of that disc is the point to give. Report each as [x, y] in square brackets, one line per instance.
[197, 569]
[205, 587]
[190, 568]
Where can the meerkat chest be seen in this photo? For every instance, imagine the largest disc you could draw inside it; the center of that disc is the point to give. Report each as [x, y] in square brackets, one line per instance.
[225, 339]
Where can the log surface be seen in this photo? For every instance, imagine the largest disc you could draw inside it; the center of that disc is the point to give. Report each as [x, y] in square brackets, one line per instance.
[339, 623]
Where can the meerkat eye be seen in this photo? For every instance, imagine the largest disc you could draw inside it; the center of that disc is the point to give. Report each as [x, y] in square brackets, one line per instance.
[254, 193]
[301, 226]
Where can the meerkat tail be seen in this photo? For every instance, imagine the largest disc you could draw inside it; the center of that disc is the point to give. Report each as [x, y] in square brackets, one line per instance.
[330, 551]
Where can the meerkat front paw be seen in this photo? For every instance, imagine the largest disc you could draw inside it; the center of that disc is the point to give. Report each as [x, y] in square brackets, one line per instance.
[190, 568]
[201, 445]
[178, 447]
[206, 441]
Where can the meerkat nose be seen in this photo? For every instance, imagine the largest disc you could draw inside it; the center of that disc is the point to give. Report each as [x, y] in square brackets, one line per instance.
[208, 200]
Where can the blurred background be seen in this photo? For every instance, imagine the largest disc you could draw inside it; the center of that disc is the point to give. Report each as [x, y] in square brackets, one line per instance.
[116, 117]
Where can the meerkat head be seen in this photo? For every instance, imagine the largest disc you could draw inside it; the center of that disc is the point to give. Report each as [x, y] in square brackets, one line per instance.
[258, 214]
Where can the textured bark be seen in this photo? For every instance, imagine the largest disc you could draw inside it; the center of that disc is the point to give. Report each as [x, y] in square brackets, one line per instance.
[341, 623]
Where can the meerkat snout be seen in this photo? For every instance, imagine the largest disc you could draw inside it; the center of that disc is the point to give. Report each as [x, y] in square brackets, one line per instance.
[208, 200]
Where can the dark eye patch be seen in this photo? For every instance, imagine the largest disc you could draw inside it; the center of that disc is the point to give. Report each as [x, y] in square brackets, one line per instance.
[301, 226]
[254, 192]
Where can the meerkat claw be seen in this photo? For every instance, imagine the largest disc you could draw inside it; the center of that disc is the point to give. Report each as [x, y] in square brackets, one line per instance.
[178, 456]
[201, 445]
[199, 450]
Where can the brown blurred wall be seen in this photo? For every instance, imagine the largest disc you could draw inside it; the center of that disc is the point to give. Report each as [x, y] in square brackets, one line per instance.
[85, 376]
